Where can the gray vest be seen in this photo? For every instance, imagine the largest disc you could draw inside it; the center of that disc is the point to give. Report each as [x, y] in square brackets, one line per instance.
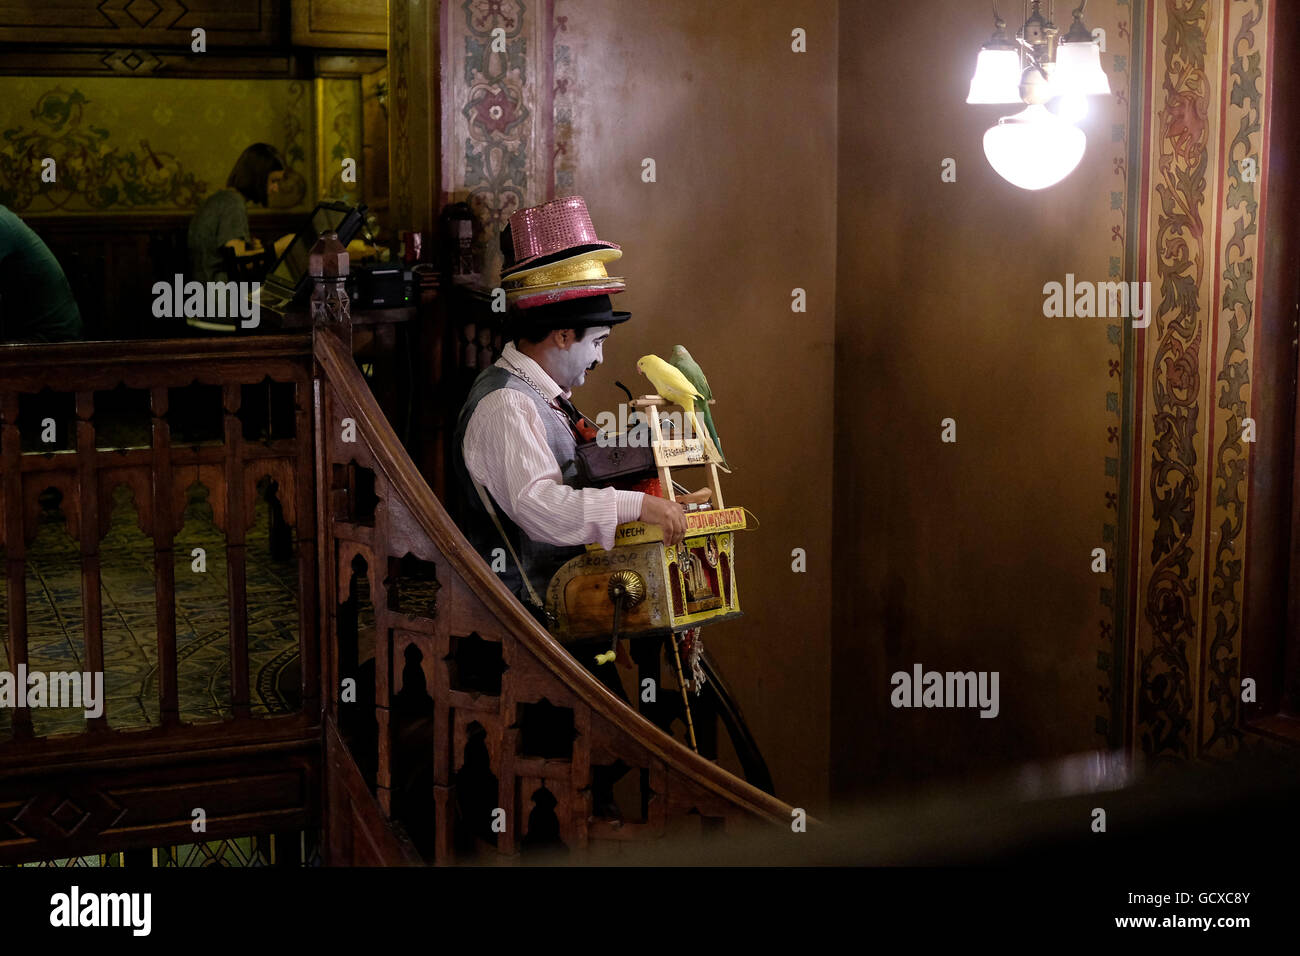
[540, 560]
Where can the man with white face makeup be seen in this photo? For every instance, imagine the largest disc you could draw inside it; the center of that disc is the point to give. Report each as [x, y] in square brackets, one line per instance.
[516, 439]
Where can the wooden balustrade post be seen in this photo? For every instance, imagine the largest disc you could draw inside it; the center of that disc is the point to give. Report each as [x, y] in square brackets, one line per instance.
[164, 575]
[11, 474]
[328, 265]
[237, 509]
[309, 597]
[91, 597]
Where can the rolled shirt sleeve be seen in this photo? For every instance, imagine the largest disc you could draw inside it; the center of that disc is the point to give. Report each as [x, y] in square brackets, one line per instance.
[505, 451]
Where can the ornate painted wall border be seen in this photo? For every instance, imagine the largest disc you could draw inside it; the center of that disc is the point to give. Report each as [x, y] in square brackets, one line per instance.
[1198, 245]
[1119, 27]
[1235, 337]
[564, 161]
[499, 113]
[338, 136]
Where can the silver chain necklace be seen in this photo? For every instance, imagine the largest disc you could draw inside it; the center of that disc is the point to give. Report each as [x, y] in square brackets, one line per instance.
[552, 403]
[527, 381]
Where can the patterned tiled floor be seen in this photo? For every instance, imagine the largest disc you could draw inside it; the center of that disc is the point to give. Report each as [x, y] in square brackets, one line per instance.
[55, 639]
[302, 849]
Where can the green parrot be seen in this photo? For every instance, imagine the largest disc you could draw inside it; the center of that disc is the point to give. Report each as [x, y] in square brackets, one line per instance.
[672, 384]
[682, 361]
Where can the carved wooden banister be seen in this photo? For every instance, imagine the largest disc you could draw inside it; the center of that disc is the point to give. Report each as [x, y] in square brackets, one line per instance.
[472, 604]
[111, 782]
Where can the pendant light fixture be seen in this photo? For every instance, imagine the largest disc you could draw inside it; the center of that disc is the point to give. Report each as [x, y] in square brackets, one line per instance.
[1078, 62]
[997, 70]
[1035, 148]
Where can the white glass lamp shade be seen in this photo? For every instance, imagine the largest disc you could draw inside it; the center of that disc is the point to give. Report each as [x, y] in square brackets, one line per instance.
[1078, 70]
[1034, 149]
[997, 77]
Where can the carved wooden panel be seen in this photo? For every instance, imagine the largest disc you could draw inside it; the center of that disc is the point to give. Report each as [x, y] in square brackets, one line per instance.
[51, 814]
[341, 24]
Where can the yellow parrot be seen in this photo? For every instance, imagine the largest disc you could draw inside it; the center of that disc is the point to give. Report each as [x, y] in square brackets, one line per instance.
[677, 388]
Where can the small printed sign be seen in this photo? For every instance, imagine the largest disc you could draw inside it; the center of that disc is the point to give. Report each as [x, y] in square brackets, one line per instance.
[680, 452]
[724, 519]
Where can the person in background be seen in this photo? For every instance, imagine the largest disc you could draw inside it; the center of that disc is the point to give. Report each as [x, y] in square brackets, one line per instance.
[222, 220]
[36, 302]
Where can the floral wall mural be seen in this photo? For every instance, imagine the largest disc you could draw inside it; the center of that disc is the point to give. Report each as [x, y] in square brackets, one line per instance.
[498, 147]
[338, 125]
[1201, 207]
[145, 144]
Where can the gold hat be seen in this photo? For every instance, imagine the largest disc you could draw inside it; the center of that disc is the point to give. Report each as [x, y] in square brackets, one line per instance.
[585, 266]
[573, 288]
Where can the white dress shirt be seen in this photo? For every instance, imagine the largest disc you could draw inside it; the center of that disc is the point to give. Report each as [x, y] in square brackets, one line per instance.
[505, 451]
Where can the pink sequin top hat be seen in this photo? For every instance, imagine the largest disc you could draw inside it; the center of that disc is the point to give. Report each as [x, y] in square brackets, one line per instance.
[550, 232]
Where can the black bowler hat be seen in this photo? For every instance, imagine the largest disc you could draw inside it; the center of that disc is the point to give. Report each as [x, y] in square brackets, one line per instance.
[581, 313]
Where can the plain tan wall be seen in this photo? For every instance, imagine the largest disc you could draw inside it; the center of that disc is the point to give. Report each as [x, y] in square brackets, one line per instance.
[974, 555]
[821, 171]
[743, 134]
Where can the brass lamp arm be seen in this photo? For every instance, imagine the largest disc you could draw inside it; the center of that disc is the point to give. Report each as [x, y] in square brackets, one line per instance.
[1028, 50]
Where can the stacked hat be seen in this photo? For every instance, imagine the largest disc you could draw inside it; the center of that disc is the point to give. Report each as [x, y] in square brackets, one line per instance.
[552, 255]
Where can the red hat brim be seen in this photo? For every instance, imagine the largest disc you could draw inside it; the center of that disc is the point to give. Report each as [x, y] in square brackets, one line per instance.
[551, 296]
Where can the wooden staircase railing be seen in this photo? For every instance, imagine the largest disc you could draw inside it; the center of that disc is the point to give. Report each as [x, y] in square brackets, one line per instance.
[464, 730]
[482, 727]
[107, 783]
